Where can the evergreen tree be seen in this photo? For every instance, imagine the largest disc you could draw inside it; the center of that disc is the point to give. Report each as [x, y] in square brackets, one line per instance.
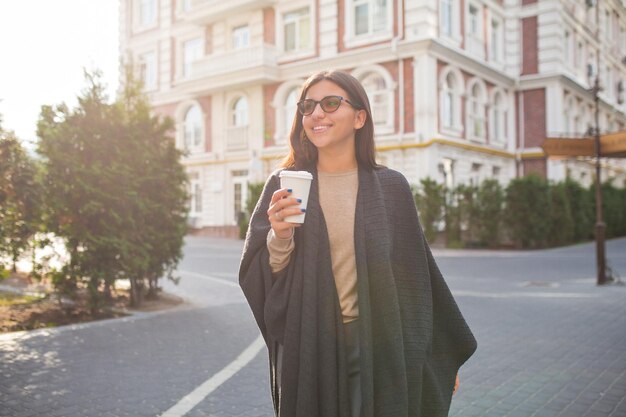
[115, 190]
[20, 198]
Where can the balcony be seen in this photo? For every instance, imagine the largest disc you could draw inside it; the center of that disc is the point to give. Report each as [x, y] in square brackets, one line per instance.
[205, 12]
[231, 69]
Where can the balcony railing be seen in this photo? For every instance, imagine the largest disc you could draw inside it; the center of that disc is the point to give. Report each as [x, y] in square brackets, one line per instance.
[236, 138]
[207, 11]
[233, 61]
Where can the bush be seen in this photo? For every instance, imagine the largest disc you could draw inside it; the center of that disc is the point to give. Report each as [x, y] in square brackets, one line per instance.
[490, 199]
[254, 193]
[430, 200]
[581, 203]
[561, 219]
[527, 202]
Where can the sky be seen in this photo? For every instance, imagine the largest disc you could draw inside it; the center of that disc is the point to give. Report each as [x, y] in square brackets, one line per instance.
[44, 46]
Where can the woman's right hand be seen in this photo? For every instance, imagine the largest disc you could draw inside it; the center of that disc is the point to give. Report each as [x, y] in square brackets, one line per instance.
[282, 206]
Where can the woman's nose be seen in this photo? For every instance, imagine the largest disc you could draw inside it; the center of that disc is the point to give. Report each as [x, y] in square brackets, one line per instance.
[318, 113]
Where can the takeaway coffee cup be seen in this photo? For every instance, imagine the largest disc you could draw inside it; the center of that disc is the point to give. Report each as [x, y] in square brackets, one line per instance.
[300, 184]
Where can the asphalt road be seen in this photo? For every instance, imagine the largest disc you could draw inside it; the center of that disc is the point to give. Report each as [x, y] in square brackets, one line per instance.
[551, 343]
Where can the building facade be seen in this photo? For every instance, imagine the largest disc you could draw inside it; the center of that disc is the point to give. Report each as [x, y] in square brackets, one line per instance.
[461, 90]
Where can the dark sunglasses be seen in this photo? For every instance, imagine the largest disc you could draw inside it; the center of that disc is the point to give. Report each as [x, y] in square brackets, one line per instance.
[329, 104]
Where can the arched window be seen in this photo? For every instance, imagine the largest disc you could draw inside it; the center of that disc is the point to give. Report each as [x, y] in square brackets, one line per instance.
[498, 119]
[289, 110]
[193, 128]
[448, 110]
[476, 113]
[379, 96]
[240, 113]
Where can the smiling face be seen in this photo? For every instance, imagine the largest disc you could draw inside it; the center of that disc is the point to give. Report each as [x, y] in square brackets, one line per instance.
[332, 132]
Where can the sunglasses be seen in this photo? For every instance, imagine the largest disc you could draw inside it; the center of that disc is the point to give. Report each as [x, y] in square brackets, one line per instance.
[329, 104]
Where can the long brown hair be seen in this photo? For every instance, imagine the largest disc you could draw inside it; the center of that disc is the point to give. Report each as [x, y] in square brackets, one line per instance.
[303, 154]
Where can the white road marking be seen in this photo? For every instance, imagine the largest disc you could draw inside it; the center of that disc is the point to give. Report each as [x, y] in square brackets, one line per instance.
[192, 399]
[210, 278]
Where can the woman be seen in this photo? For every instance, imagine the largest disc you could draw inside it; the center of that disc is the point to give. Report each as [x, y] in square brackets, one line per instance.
[356, 316]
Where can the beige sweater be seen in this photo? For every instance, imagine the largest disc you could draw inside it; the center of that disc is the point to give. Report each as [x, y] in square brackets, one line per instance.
[338, 192]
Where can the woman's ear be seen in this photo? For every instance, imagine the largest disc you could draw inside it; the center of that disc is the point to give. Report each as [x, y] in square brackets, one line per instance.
[359, 119]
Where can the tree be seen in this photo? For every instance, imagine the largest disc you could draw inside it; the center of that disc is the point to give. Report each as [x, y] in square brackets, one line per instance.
[20, 198]
[115, 190]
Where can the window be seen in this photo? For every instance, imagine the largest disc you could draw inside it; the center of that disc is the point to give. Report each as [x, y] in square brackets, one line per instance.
[608, 82]
[196, 198]
[193, 128]
[240, 191]
[380, 102]
[446, 168]
[450, 102]
[579, 55]
[240, 113]
[498, 119]
[567, 54]
[476, 114]
[192, 51]
[147, 12]
[241, 37]
[297, 30]
[289, 110]
[237, 129]
[445, 17]
[496, 42]
[474, 21]
[475, 173]
[371, 16]
[148, 70]
[185, 5]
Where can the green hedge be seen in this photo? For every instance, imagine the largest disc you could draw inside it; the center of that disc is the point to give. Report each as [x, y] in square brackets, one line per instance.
[529, 213]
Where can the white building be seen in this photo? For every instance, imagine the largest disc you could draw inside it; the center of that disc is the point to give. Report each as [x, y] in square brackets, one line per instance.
[460, 90]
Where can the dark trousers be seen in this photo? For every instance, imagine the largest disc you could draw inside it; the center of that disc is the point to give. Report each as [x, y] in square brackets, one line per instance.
[351, 330]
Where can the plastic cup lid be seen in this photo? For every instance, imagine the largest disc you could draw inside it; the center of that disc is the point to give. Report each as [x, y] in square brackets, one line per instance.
[296, 174]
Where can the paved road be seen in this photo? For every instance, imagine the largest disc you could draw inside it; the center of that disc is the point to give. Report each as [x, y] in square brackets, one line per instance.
[551, 343]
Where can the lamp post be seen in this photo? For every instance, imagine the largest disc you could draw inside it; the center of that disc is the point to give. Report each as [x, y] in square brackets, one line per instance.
[600, 226]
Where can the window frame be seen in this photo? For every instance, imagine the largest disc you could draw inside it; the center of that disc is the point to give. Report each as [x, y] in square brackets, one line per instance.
[389, 91]
[351, 38]
[240, 37]
[186, 69]
[498, 115]
[146, 69]
[456, 95]
[198, 140]
[476, 111]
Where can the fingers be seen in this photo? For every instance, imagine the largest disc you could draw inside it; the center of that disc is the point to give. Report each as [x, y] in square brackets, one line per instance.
[282, 206]
[456, 384]
[281, 202]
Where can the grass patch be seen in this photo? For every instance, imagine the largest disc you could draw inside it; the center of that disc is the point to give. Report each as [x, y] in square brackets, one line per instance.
[10, 299]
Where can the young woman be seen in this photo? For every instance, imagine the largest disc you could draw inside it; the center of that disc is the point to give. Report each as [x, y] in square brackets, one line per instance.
[357, 318]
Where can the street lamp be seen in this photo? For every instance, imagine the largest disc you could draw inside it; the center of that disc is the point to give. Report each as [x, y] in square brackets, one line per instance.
[600, 226]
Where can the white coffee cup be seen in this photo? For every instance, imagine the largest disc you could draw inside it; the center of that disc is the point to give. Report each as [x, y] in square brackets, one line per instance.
[300, 183]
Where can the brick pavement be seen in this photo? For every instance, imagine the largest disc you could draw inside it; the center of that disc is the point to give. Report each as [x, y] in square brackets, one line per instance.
[551, 343]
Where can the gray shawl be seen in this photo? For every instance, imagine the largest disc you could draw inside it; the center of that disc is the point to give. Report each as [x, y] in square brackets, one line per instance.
[413, 336]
